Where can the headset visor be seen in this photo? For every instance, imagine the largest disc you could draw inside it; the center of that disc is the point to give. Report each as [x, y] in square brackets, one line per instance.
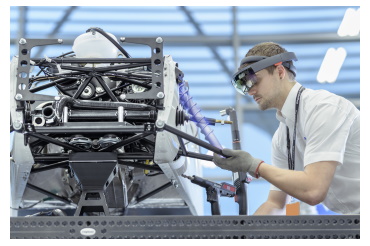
[244, 81]
[245, 78]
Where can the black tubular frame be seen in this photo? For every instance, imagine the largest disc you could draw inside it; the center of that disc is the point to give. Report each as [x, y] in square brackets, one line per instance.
[86, 75]
[153, 192]
[155, 62]
[47, 193]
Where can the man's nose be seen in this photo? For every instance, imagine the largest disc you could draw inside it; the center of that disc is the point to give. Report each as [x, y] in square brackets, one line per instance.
[252, 91]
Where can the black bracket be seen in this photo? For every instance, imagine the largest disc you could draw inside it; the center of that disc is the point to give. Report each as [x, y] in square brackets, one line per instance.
[95, 171]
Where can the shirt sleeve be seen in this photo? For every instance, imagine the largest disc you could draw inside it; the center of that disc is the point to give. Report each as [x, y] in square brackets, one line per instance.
[327, 128]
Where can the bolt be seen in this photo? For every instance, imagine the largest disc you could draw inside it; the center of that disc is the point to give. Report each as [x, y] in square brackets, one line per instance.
[60, 41]
[18, 97]
[174, 183]
[159, 40]
[22, 41]
[17, 125]
[159, 123]
[122, 96]
[160, 95]
[123, 39]
[99, 90]
[223, 112]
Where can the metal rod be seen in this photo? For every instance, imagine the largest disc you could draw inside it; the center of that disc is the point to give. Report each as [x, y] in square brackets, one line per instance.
[120, 113]
[121, 157]
[96, 60]
[183, 148]
[45, 192]
[119, 67]
[113, 89]
[198, 156]
[138, 165]
[125, 142]
[51, 84]
[54, 141]
[87, 128]
[165, 186]
[106, 88]
[50, 167]
[65, 114]
[82, 87]
[125, 78]
[192, 139]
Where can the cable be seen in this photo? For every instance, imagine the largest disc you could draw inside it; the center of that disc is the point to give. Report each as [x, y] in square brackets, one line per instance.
[99, 30]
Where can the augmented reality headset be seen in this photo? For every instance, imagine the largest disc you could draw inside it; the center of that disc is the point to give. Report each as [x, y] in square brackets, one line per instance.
[245, 78]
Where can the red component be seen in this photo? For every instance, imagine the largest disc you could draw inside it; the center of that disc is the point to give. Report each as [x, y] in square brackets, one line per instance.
[277, 64]
[228, 187]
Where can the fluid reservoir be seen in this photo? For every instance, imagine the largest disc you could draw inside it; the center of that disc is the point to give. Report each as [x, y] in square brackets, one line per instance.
[95, 45]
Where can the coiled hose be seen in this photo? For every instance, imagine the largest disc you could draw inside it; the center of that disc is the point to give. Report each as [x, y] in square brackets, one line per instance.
[191, 107]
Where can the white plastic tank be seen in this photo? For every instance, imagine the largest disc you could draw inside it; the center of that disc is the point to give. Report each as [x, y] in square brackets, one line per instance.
[95, 45]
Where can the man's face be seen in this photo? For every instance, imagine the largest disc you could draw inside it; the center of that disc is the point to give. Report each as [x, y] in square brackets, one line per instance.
[267, 89]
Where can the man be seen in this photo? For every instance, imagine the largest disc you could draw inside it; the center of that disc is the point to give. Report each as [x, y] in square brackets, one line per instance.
[316, 148]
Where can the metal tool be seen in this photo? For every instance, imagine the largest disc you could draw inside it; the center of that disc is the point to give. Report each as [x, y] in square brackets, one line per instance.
[214, 190]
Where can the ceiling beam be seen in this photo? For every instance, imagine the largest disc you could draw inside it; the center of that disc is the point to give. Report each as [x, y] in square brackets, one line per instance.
[57, 27]
[307, 38]
[254, 106]
[201, 33]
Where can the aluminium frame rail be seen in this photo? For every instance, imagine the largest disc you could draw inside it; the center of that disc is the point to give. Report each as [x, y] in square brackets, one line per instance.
[187, 227]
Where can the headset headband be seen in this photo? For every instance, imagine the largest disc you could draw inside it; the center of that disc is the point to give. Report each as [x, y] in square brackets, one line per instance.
[262, 62]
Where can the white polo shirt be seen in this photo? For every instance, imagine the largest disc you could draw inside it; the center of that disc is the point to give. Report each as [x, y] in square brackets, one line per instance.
[328, 129]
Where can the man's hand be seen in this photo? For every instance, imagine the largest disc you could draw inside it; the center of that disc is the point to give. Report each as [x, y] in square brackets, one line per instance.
[239, 161]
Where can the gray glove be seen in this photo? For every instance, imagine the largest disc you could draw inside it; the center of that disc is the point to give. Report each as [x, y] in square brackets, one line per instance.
[239, 161]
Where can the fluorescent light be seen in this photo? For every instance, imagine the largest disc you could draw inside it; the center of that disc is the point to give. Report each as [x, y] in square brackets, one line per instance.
[331, 65]
[350, 25]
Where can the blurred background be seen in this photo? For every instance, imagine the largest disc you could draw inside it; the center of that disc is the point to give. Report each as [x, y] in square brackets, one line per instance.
[208, 43]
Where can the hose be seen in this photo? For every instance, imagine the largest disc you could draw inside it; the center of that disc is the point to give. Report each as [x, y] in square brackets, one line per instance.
[99, 30]
[188, 104]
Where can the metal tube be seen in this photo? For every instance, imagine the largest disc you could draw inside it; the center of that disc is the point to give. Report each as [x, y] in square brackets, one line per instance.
[106, 88]
[82, 87]
[138, 165]
[97, 60]
[50, 84]
[45, 192]
[88, 128]
[120, 114]
[193, 139]
[56, 142]
[121, 157]
[183, 148]
[65, 114]
[198, 156]
[49, 167]
[125, 142]
[165, 186]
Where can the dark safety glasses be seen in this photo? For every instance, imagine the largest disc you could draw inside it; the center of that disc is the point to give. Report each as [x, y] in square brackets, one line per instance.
[245, 78]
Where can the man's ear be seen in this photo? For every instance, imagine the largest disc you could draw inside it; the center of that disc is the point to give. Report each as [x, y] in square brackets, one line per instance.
[281, 71]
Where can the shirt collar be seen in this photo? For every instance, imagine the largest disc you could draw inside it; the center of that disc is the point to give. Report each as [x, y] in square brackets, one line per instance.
[288, 109]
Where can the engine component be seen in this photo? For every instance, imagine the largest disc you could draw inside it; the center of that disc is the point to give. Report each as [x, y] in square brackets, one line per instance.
[108, 140]
[81, 142]
[106, 107]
